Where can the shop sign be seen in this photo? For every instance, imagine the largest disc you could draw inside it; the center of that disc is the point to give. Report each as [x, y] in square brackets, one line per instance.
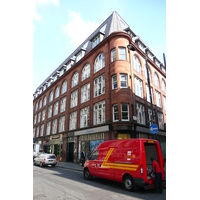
[94, 130]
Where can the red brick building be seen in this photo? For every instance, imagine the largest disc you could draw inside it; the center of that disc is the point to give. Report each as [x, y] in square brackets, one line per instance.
[100, 92]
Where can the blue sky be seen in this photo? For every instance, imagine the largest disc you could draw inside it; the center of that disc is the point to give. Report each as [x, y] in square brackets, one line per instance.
[59, 26]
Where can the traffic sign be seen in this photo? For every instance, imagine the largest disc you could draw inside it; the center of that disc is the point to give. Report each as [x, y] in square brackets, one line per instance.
[153, 128]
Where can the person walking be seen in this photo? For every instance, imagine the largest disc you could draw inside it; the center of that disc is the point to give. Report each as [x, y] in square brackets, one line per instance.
[158, 175]
[83, 157]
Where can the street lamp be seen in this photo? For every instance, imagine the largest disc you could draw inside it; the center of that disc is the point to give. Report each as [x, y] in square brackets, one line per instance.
[132, 48]
[148, 79]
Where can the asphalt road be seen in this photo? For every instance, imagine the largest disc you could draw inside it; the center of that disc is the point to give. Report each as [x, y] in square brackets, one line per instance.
[61, 184]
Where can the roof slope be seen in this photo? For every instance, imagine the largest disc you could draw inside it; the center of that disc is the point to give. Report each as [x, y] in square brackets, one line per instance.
[113, 23]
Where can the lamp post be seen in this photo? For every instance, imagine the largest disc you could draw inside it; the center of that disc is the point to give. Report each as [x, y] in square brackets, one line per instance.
[132, 48]
[148, 79]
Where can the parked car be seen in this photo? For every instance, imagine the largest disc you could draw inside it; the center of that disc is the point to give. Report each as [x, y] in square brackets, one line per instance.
[45, 160]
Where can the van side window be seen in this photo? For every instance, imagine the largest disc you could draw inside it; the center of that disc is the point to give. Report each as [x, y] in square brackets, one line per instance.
[94, 155]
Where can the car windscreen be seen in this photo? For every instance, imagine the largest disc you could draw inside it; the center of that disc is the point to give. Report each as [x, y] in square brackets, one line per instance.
[51, 157]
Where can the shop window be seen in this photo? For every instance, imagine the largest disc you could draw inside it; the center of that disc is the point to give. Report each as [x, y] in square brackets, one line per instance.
[123, 136]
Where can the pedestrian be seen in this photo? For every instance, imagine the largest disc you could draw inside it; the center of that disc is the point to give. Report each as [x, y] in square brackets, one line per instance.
[88, 154]
[158, 175]
[83, 157]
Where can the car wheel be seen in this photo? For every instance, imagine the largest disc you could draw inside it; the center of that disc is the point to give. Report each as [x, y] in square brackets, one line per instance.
[128, 183]
[86, 174]
[34, 162]
[41, 164]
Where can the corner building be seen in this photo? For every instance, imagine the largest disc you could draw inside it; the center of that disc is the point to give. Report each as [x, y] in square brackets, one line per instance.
[100, 92]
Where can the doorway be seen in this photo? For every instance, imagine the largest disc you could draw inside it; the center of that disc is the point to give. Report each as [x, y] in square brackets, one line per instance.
[70, 152]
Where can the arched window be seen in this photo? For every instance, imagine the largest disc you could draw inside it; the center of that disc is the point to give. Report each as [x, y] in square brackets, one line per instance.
[86, 72]
[75, 79]
[136, 64]
[51, 96]
[99, 62]
[163, 85]
[156, 80]
[145, 71]
[64, 87]
[57, 92]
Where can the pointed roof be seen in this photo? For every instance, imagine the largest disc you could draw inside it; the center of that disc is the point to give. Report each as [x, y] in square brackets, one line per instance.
[113, 23]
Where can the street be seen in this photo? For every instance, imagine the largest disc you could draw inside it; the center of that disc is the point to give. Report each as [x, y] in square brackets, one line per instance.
[59, 184]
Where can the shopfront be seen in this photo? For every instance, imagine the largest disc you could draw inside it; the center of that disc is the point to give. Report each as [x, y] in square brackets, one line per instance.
[90, 139]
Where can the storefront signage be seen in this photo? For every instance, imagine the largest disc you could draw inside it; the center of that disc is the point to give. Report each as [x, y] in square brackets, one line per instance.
[93, 130]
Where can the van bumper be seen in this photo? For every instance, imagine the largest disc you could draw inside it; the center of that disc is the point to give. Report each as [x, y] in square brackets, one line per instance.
[139, 182]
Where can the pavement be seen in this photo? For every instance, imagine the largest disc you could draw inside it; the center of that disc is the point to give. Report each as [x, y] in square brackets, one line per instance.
[69, 165]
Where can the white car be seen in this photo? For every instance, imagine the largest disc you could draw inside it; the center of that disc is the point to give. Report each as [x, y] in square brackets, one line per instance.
[45, 160]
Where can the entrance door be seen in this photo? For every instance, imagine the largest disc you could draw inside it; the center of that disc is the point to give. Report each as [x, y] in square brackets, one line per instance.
[55, 149]
[71, 152]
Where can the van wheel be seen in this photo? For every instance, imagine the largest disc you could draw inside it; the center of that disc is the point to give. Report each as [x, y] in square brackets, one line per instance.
[87, 175]
[128, 183]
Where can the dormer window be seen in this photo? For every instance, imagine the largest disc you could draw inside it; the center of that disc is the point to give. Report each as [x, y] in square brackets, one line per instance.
[56, 76]
[150, 55]
[62, 71]
[97, 39]
[69, 64]
[50, 81]
[141, 46]
[157, 63]
[80, 54]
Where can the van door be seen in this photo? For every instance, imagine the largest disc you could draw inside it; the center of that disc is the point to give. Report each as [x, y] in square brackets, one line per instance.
[93, 166]
[152, 149]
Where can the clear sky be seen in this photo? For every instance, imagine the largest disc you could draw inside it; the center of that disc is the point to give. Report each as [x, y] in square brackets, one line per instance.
[59, 26]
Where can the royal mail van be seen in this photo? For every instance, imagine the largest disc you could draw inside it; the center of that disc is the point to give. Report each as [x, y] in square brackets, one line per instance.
[127, 161]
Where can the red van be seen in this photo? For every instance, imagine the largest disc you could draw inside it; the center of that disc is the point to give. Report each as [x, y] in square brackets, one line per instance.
[127, 161]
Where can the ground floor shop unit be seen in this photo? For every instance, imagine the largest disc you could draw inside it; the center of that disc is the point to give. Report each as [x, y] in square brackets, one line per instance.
[69, 145]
